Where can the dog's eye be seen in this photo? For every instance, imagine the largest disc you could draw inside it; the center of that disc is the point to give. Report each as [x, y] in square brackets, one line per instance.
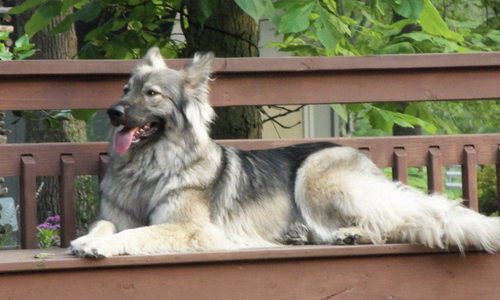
[152, 93]
[126, 90]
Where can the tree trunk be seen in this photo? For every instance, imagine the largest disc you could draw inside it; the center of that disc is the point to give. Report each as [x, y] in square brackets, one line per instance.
[228, 32]
[60, 46]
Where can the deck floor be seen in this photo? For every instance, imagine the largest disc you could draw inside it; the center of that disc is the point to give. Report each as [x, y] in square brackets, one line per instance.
[305, 272]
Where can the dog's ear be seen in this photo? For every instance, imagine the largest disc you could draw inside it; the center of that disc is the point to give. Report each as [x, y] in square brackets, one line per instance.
[154, 59]
[197, 72]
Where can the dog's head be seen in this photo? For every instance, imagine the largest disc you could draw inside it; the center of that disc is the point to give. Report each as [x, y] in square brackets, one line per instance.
[159, 102]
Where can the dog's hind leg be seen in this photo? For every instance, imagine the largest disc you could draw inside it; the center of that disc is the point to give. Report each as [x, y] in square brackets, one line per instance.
[326, 190]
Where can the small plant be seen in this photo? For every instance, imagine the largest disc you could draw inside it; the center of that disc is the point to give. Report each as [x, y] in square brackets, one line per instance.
[49, 233]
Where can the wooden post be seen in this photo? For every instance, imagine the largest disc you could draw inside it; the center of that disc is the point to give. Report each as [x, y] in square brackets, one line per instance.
[400, 166]
[435, 171]
[28, 203]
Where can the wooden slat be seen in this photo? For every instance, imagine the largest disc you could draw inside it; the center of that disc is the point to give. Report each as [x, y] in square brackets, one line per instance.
[365, 151]
[103, 165]
[381, 148]
[435, 171]
[243, 66]
[381, 151]
[61, 259]
[67, 200]
[48, 157]
[27, 203]
[469, 178]
[439, 276]
[400, 168]
[98, 84]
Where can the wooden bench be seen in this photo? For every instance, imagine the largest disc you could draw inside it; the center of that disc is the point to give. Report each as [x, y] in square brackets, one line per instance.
[300, 272]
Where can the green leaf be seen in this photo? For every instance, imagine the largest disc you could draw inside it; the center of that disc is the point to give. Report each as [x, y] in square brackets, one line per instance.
[35, 23]
[4, 54]
[138, 13]
[118, 24]
[204, 10]
[23, 55]
[270, 13]
[52, 123]
[341, 110]
[24, 47]
[494, 35]
[327, 39]
[377, 120]
[398, 48]
[51, 9]
[254, 8]
[83, 114]
[23, 40]
[296, 18]
[87, 13]
[24, 7]
[63, 26]
[4, 35]
[432, 23]
[409, 9]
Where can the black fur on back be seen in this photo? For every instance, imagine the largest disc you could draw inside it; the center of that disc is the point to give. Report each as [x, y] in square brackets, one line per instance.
[264, 174]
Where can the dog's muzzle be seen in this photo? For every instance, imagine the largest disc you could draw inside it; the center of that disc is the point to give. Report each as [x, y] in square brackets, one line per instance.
[116, 114]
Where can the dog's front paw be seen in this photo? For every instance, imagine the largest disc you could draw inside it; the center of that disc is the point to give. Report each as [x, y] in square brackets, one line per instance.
[92, 248]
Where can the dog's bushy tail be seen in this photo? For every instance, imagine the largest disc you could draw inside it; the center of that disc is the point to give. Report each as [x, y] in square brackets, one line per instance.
[435, 221]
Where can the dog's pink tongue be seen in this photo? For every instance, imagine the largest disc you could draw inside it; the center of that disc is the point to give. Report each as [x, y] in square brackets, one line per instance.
[123, 139]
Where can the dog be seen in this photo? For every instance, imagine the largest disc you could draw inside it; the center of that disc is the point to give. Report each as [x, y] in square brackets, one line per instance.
[170, 188]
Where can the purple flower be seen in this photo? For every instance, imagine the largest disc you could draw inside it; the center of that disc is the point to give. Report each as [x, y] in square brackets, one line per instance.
[55, 237]
[45, 225]
[58, 244]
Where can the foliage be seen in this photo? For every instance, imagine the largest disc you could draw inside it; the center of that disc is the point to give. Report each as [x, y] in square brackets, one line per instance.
[49, 233]
[487, 195]
[21, 50]
[54, 117]
[126, 29]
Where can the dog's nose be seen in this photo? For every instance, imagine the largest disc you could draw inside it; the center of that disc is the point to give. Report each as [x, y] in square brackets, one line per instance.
[116, 113]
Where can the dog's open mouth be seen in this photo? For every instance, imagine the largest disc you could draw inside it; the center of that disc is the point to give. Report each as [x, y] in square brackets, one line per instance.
[128, 136]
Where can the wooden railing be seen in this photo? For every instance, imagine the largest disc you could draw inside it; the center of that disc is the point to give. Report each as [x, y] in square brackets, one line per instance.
[32, 85]
[97, 84]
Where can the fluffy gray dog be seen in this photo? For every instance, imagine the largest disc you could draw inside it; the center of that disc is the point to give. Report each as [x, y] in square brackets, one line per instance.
[170, 188]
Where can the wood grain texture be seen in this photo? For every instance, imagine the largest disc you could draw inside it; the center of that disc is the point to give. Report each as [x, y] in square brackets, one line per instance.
[27, 201]
[435, 171]
[423, 276]
[469, 178]
[380, 149]
[98, 84]
[400, 167]
[67, 199]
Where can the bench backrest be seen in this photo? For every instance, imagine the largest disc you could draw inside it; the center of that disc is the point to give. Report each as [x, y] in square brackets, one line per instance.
[32, 85]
